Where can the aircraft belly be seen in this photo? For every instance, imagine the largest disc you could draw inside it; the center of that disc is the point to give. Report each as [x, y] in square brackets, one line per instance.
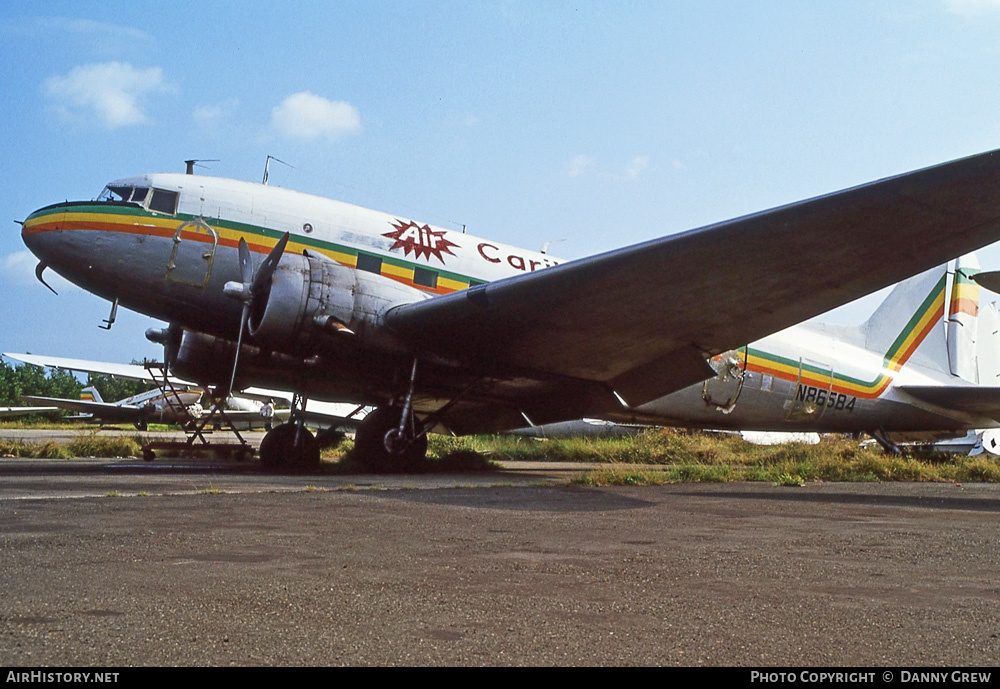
[773, 409]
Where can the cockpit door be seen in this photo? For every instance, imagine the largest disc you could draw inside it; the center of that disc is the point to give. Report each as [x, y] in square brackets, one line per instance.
[193, 253]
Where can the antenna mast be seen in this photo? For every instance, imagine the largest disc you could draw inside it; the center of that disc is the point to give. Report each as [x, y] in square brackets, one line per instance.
[267, 166]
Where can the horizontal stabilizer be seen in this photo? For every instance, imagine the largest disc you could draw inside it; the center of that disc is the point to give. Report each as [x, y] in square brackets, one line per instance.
[978, 399]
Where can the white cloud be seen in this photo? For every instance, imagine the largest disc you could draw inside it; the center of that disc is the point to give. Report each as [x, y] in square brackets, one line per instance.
[111, 91]
[636, 166]
[305, 115]
[579, 164]
[972, 8]
[18, 269]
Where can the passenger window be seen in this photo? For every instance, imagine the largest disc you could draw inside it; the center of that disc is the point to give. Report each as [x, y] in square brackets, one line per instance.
[164, 201]
[425, 277]
[369, 263]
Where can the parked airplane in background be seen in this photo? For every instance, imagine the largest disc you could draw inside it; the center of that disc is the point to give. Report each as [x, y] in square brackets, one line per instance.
[252, 408]
[150, 406]
[446, 332]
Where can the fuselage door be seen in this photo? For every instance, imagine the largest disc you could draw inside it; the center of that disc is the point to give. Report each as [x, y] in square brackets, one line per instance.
[193, 253]
[812, 394]
[723, 391]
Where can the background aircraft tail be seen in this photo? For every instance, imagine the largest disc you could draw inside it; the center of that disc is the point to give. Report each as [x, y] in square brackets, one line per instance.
[90, 394]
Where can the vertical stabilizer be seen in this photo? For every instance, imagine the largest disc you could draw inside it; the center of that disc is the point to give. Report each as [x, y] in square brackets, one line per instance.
[909, 324]
[90, 395]
[963, 319]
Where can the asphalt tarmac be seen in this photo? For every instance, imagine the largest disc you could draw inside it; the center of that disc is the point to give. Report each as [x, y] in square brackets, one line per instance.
[109, 563]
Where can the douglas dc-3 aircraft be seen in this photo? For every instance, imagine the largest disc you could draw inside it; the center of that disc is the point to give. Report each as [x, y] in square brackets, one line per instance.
[446, 332]
[251, 408]
[140, 409]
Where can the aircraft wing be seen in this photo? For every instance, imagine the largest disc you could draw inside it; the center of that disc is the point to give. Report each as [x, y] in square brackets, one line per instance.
[972, 399]
[333, 414]
[315, 411]
[11, 412]
[127, 371]
[638, 323]
[131, 372]
[106, 411]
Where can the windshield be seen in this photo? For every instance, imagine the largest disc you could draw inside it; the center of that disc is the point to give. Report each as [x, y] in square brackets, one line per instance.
[116, 192]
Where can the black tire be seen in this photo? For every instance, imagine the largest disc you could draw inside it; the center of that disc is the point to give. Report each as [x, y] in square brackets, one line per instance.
[278, 449]
[370, 443]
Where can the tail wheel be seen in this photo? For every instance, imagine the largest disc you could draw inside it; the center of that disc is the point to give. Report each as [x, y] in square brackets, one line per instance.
[290, 446]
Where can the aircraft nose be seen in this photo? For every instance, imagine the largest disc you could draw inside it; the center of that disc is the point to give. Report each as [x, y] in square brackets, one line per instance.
[31, 235]
[51, 234]
[34, 235]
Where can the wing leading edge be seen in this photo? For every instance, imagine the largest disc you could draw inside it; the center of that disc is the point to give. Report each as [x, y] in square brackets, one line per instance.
[640, 321]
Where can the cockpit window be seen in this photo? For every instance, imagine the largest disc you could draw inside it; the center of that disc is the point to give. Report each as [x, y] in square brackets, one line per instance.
[130, 194]
[163, 201]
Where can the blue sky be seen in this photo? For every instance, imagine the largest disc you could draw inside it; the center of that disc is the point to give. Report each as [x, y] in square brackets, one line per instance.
[599, 124]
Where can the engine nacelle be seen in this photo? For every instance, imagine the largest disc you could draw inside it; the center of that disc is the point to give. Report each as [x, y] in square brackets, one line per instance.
[208, 360]
[205, 359]
[312, 299]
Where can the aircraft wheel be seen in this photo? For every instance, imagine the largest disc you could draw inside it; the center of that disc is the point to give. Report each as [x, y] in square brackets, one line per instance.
[279, 449]
[377, 447]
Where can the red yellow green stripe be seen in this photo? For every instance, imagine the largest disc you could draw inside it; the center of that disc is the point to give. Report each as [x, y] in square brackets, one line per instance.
[914, 332]
[137, 221]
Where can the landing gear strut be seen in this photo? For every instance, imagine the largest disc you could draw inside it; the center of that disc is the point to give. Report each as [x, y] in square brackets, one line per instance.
[390, 438]
[381, 446]
[290, 445]
[882, 438]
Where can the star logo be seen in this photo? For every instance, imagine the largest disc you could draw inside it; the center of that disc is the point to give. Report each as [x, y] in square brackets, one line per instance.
[420, 240]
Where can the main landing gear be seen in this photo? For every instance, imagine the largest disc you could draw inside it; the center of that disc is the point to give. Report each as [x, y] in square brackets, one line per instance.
[388, 439]
[290, 445]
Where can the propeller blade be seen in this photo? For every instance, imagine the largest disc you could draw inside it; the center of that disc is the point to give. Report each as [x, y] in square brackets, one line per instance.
[239, 344]
[252, 287]
[266, 269]
[246, 263]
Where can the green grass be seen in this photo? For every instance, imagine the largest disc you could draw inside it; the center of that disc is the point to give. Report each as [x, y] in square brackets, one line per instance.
[85, 444]
[657, 456]
[676, 456]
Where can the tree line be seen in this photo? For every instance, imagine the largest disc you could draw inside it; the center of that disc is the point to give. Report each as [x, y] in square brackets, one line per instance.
[16, 381]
